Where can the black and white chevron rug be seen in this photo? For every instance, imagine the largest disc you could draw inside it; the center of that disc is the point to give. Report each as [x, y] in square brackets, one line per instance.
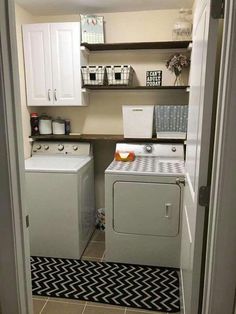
[143, 287]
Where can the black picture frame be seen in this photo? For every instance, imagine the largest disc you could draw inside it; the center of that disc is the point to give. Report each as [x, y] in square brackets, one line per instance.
[154, 78]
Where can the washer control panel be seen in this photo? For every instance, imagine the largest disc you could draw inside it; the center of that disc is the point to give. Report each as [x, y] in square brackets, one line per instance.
[61, 148]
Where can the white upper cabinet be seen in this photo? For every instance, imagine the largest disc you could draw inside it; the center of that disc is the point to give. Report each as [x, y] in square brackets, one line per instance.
[65, 43]
[38, 66]
[52, 64]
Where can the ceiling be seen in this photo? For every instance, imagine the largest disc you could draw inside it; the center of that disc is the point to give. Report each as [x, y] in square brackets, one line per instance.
[54, 7]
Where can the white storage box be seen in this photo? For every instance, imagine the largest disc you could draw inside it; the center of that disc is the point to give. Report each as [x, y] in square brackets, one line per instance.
[119, 74]
[93, 75]
[138, 121]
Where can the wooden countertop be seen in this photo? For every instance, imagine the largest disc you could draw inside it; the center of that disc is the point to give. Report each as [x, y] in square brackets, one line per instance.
[101, 137]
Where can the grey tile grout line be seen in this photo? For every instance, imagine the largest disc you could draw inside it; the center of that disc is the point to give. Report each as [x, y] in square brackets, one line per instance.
[105, 305]
[65, 302]
[84, 256]
[125, 310]
[102, 259]
[101, 306]
[84, 307]
[44, 306]
[91, 257]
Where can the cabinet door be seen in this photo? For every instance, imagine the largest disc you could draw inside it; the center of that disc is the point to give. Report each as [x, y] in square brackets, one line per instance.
[65, 41]
[38, 71]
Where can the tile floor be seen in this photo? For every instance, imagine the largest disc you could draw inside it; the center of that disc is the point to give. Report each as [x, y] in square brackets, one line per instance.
[94, 252]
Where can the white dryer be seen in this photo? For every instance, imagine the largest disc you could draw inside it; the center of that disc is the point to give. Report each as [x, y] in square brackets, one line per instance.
[60, 198]
[143, 201]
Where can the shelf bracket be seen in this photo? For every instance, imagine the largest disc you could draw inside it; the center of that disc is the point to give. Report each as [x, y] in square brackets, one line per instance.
[85, 90]
[190, 46]
[84, 50]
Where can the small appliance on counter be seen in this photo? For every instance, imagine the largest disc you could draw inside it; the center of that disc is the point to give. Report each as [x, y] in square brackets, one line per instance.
[58, 126]
[45, 124]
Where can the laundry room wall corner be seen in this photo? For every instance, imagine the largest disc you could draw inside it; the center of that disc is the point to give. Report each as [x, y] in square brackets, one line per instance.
[23, 17]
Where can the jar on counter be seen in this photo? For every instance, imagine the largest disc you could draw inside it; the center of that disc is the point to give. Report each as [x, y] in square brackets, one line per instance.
[67, 127]
[45, 124]
[58, 126]
[34, 123]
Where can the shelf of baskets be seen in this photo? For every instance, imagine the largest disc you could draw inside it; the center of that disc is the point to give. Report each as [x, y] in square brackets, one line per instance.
[169, 45]
[119, 78]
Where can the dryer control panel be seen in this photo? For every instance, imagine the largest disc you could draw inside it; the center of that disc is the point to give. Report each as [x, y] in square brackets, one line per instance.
[173, 151]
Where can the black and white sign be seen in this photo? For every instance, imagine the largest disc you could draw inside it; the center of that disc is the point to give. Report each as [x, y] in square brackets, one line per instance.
[154, 78]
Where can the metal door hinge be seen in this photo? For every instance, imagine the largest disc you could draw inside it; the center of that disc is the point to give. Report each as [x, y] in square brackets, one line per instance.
[27, 221]
[180, 181]
[217, 9]
[204, 196]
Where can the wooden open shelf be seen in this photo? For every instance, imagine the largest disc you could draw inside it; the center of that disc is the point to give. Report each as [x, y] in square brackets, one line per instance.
[137, 88]
[102, 137]
[138, 45]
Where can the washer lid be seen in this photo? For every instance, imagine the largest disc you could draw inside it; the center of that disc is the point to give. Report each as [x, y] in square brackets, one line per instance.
[55, 163]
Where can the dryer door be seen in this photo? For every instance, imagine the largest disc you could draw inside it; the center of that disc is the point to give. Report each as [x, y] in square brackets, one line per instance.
[146, 208]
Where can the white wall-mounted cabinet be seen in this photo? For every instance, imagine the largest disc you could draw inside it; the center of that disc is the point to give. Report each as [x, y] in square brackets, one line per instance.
[52, 64]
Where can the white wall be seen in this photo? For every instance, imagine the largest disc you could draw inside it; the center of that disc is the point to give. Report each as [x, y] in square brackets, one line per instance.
[22, 16]
[104, 114]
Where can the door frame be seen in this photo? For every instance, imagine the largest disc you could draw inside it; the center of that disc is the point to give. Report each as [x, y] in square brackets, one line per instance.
[220, 274]
[15, 299]
[15, 283]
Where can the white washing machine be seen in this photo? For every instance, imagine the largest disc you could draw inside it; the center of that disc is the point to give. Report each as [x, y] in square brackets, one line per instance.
[60, 198]
[143, 203]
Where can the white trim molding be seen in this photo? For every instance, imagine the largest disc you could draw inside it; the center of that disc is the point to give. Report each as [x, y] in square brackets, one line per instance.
[15, 288]
[220, 276]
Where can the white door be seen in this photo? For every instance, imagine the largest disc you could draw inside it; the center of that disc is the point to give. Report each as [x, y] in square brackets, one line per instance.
[37, 58]
[65, 40]
[197, 152]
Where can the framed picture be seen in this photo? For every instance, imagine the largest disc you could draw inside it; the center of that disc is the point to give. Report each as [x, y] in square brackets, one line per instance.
[154, 78]
[92, 29]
